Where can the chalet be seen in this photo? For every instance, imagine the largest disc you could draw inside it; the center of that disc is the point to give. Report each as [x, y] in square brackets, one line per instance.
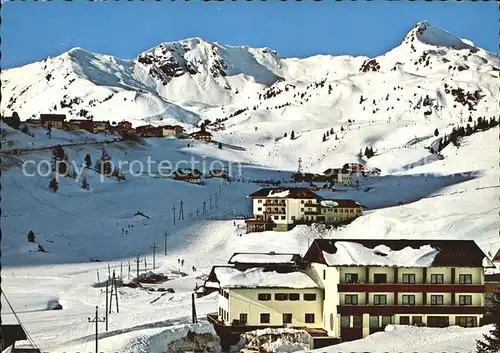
[147, 131]
[55, 120]
[281, 209]
[349, 289]
[187, 175]
[101, 126]
[339, 175]
[171, 130]
[81, 124]
[201, 136]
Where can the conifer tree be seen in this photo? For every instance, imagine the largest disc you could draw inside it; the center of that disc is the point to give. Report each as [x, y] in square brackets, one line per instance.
[436, 133]
[31, 236]
[88, 161]
[292, 135]
[491, 341]
[324, 137]
[220, 145]
[54, 185]
[341, 128]
[331, 131]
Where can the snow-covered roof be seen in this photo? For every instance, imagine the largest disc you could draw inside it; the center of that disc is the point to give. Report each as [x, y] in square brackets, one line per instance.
[273, 193]
[259, 277]
[340, 203]
[280, 192]
[263, 258]
[350, 253]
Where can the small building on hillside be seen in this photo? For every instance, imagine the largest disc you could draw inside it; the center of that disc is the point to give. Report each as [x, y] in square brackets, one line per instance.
[218, 173]
[188, 175]
[55, 120]
[201, 136]
[101, 126]
[171, 130]
[81, 124]
[147, 131]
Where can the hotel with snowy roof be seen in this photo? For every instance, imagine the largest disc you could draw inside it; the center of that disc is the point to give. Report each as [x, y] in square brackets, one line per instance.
[347, 289]
[281, 209]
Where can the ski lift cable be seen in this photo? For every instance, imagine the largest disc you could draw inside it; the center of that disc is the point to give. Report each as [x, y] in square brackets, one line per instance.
[28, 336]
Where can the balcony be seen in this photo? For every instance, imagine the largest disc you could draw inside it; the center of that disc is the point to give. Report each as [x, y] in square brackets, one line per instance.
[275, 204]
[410, 309]
[411, 288]
[272, 211]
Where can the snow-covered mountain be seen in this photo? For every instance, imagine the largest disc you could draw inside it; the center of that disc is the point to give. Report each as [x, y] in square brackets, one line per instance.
[193, 79]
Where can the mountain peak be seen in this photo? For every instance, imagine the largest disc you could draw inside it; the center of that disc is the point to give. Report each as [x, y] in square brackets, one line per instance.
[426, 33]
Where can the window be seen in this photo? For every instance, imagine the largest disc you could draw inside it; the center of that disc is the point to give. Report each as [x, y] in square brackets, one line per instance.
[259, 201]
[335, 210]
[345, 321]
[404, 320]
[281, 296]
[226, 295]
[301, 201]
[373, 321]
[351, 278]
[437, 321]
[379, 299]
[259, 208]
[309, 297]
[243, 318]
[301, 210]
[264, 296]
[408, 300]
[380, 278]
[437, 279]
[309, 318]
[386, 320]
[416, 320]
[466, 321]
[408, 278]
[436, 300]
[351, 210]
[464, 279]
[324, 274]
[265, 318]
[287, 318]
[351, 299]
[357, 321]
[293, 218]
[276, 218]
[283, 218]
[294, 297]
[341, 210]
[465, 299]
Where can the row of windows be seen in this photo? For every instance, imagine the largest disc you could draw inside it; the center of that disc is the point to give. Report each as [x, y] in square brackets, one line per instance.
[381, 299]
[286, 296]
[432, 321]
[408, 278]
[265, 318]
[341, 210]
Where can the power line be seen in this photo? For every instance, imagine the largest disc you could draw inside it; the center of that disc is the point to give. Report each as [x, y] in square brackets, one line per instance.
[28, 336]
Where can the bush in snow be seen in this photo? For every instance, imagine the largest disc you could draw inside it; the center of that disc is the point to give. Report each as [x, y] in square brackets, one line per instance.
[54, 185]
[31, 236]
[436, 132]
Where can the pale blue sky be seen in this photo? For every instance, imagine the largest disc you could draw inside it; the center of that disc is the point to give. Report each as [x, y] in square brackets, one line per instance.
[33, 30]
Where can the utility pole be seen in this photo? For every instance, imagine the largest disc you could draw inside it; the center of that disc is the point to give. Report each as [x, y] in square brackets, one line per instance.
[111, 296]
[197, 213]
[299, 169]
[154, 247]
[145, 266]
[204, 207]
[96, 320]
[137, 261]
[181, 211]
[166, 235]
[107, 293]
[190, 215]
[173, 209]
[210, 203]
[216, 200]
[116, 291]
[193, 309]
